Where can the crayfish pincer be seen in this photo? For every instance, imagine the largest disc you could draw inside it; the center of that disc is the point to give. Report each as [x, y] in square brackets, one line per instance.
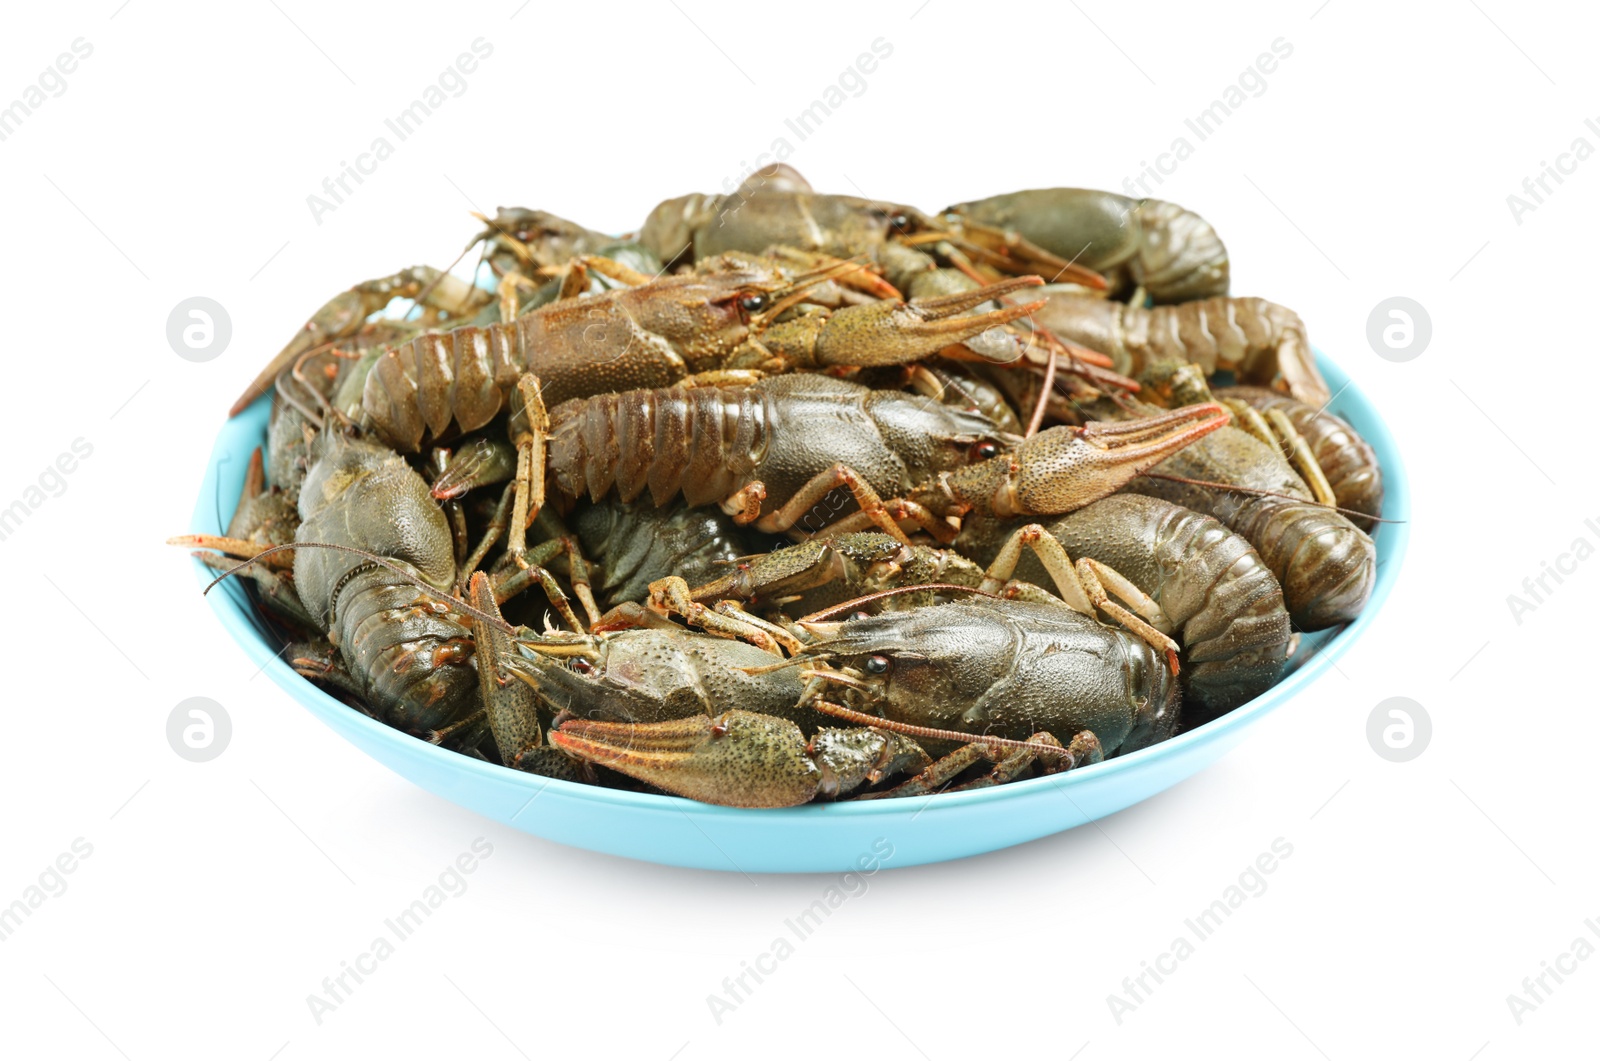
[702, 717]
[741, 758]
[1065, 468]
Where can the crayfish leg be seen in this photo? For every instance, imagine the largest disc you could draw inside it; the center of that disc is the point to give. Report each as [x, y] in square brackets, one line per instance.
[1010, 763]
[671, 596]
[320, 662]
[511, 704]
[1084, 587]
[821, 485]
[276, 588]
[530, 431]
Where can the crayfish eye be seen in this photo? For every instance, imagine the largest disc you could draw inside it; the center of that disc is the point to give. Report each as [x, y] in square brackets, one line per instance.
[900, 221]
[982, 451]
[861, 615]
[753, 303]
[877, 665]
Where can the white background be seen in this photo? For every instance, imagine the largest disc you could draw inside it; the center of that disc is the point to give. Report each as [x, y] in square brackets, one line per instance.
[1377, 162]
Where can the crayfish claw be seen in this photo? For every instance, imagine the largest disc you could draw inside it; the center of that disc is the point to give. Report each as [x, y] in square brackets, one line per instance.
[737, 759]
[1065, 468]
[891, 332]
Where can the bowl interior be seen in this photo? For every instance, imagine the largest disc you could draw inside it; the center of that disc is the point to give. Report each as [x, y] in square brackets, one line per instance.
[818, 837]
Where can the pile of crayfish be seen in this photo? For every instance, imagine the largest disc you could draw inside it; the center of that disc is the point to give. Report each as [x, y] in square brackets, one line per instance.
[792, 496]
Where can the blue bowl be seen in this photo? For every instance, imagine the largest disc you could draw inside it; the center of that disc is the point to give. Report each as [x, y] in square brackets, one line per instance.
[827, 837]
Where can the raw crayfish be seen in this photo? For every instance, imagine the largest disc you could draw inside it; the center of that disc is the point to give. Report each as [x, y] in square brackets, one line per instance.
[969, 601]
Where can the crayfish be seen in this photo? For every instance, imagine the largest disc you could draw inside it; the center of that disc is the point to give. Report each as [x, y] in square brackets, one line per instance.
[812, 505]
